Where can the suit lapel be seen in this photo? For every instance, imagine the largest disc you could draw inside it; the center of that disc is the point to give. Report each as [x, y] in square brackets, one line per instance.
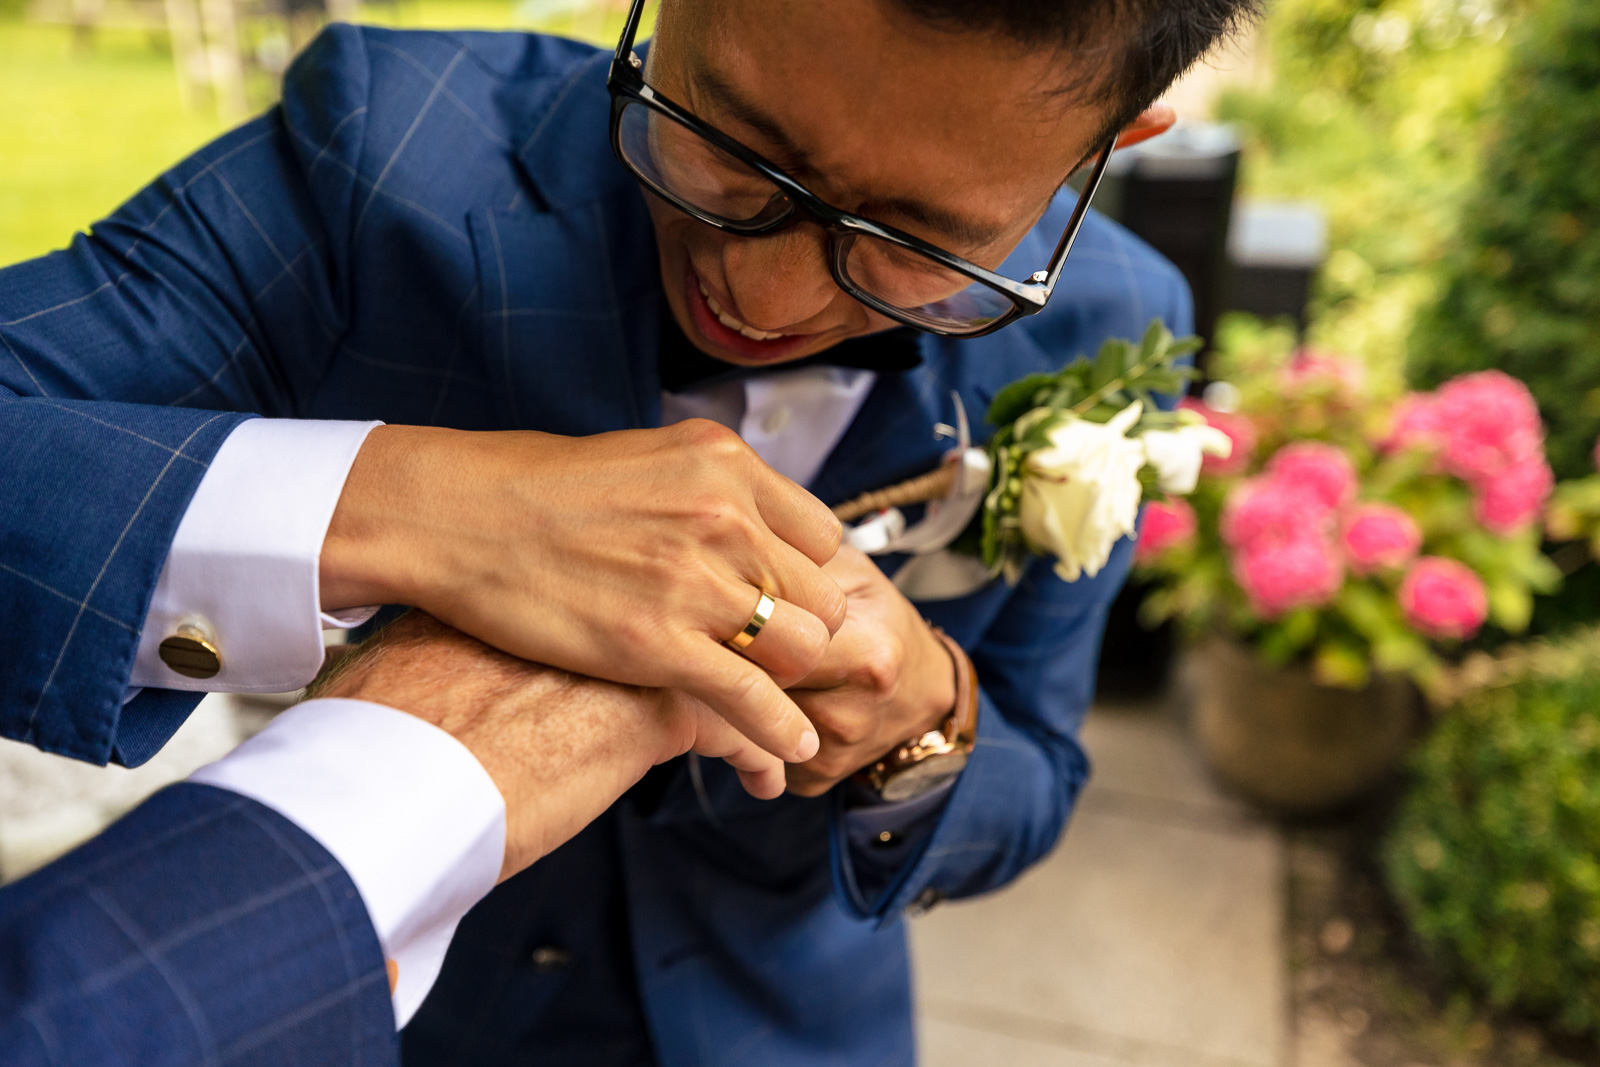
[570, 339]
[571, 293]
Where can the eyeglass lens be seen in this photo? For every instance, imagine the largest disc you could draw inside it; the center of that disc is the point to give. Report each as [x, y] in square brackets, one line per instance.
[687, 169]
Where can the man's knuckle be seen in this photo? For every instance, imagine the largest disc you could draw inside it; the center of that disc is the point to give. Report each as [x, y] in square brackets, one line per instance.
[879, 668]
[704, 432]
[852, 730]
[717, 520]
[830, 532]
[810, 643]
[714, 442]
[638, 631]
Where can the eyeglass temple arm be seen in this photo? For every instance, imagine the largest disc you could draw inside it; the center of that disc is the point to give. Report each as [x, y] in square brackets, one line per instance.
[1058, 261]
[630, 31]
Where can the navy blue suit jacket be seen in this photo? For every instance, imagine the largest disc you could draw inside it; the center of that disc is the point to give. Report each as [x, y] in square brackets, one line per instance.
[202, 928]
[431, 229]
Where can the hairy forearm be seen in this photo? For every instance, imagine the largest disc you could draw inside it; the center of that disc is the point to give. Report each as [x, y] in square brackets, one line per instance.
[559, 747]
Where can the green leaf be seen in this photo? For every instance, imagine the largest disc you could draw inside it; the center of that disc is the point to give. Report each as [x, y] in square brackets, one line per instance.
[1300, 627]
[1283, 641]
[1510, 605]
[1110, 364]
[1372, 614]
[1342, 664]
[1401, 652]
[1020, 397]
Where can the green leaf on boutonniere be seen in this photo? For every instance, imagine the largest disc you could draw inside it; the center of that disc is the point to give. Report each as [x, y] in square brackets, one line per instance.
[1025, 412]
[1020, 397]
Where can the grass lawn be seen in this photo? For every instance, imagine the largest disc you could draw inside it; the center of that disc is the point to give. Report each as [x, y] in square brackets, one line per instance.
[81, 132]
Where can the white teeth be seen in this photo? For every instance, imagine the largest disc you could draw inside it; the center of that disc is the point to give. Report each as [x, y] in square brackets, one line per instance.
[734, 324]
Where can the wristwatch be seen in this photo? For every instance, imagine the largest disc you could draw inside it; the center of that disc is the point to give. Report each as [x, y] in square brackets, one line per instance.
[922, 764]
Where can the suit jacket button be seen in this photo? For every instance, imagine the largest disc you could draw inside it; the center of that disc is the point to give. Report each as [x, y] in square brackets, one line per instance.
[924, 901]
[550, 958]
[189, 652]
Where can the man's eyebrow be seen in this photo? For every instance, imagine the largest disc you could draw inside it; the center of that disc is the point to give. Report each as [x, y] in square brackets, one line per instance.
[737, 106]
[791, 158]
[962, 230]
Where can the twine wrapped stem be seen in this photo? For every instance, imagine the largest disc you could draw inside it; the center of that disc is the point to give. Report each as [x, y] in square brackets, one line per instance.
[934, 485]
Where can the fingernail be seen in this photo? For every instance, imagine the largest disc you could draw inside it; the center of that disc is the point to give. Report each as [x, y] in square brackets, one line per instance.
[808, 746]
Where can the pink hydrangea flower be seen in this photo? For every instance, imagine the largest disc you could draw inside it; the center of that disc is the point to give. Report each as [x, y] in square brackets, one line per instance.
[1415, 424]
[1380, 537]
[1167, 524]
[1597, 454]
[1278, 576]
[1240, 430]
[1512, 499]
[1322, 468]
[1312, 367]
[1489, 422]
[1443, 598]
[1271, 511]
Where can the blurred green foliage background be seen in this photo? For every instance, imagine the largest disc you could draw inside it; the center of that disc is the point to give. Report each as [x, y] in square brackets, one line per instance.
[1373, 110]
[1521, 286]
[83, 127]
[1495, 856]
[81, 132]
[1455, 146]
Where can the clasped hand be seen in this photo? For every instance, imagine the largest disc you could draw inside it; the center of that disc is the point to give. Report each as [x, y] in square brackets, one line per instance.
[885, 678]
[631, 557]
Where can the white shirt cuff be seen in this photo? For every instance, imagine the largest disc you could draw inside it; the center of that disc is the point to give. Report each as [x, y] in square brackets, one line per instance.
[243, 565]
[405, 808]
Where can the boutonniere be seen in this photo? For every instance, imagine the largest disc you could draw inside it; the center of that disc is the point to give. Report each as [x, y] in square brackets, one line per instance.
[1074, 453]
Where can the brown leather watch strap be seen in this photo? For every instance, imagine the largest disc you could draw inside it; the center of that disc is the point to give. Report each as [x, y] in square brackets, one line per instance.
[963, 722]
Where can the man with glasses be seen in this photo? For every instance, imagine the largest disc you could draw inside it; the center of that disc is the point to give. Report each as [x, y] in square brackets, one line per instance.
[614, 312]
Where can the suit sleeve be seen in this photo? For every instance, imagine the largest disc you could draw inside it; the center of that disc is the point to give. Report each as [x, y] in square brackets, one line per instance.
[127, 359]
[202, 928]
[1036, 667]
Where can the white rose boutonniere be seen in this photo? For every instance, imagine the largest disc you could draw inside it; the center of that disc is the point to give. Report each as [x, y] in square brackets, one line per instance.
[1080, 493]
[1176, 455]
[1072, 456]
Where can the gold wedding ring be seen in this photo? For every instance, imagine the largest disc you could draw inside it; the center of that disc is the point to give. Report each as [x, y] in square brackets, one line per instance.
[764, 607]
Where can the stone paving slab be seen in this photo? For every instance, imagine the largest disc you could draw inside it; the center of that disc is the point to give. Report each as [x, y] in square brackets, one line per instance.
[948, 1044]
[1142, 752]
[50, 804]
[1152, 936]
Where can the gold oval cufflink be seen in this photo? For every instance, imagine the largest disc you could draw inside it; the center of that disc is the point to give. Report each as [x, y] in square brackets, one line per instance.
[189, 652]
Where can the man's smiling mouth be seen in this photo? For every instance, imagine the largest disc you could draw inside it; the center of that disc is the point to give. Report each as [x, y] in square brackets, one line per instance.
[734, 324]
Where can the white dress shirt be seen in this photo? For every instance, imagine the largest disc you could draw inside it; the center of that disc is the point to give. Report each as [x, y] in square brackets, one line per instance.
[403, 806]
[243, 563]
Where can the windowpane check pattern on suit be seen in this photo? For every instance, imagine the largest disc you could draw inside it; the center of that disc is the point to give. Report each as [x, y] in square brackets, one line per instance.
[431, 229]
[203, 928]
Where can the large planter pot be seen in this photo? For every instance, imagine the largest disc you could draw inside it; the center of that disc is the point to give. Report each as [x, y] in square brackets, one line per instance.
[1289, 744]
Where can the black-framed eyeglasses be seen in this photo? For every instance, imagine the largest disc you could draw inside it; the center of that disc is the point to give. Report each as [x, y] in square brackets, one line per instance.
[710, 176]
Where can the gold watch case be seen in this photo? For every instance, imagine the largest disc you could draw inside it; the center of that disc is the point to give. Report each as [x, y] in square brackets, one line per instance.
[923, 764]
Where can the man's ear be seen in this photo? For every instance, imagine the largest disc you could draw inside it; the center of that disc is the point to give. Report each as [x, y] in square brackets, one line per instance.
[1152, 122]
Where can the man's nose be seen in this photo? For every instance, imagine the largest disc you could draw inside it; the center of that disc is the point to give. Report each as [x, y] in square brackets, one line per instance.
[781, 280]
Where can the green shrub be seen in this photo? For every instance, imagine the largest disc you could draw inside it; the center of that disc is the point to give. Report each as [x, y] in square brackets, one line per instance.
[1521, 286]
[1372, 111]
[1495, 857]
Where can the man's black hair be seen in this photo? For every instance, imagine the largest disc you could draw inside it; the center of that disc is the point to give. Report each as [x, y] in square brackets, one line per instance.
[1135, 49]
